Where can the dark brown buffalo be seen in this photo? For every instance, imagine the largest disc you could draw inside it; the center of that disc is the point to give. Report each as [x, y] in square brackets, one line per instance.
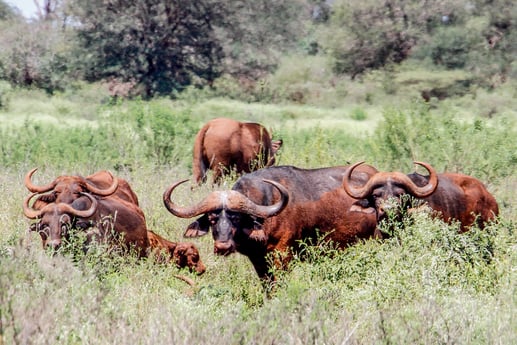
[455, 197]
[273, 209]
[65, 189]
[225, 144]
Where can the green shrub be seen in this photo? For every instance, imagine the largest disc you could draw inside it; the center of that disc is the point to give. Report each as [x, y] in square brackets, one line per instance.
[481, 148]
[358, 114]
[450, 46]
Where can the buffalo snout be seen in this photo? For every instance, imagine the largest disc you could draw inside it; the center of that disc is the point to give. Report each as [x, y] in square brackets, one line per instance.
[53, 245]
[224, 248]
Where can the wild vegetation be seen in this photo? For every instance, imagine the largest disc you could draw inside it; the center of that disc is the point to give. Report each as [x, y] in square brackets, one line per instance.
[387, 82]
[425, 284]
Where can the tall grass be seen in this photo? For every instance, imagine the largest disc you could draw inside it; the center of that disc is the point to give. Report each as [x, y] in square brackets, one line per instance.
[426, 284]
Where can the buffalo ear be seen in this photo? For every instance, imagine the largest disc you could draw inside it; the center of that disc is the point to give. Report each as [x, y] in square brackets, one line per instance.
[361, 206]
[197, 228]
[179, 256]
[43, 200]
[276, 145]
[48, 198]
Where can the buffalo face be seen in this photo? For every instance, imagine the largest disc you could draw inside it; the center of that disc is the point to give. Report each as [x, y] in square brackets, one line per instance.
[187, 255]
[233, 217]
[227, 225]
[388, 192]
[55, 220]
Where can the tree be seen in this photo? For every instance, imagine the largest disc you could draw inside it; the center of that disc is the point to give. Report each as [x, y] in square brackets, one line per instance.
[7, 11]
[370, 34]
[162, 46]
[256, 33]
[37, 53]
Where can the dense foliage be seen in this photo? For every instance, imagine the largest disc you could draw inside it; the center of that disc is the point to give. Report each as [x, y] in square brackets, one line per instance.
[151, 48]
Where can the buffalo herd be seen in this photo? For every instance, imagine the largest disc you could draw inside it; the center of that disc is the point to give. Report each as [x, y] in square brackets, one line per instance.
[269, 210]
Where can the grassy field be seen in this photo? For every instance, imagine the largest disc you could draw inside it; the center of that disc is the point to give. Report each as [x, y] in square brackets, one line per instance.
[425, 285]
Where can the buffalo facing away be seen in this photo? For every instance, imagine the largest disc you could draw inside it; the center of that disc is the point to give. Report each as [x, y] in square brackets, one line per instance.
[106, 209]
[225, 144]
[273, 209]
[454, 197]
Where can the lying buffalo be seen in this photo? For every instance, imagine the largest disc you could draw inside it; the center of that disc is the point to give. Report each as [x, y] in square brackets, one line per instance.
[67, 188]
[273, 209]
[109, 217]
[455, 197]
[225, 144]
[183, 254]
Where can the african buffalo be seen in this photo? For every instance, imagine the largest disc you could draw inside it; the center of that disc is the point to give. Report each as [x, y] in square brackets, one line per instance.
[67, 188]
[225, 144]
[273, 209]
[455, 197]
[113, 217]
[183, 254]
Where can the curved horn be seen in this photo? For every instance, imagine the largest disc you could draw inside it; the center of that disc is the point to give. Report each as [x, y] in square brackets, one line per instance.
[213, 201]
[231, 200]
[63, 208]
[240, 203]
[37, 189]
[357, 193]
[104, 192]
[182, 212]
[430, 187]
[28, 211]
[66, 208]
[382, 178]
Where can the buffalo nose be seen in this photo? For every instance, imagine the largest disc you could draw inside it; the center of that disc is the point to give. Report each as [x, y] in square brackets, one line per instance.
[223, 248]
[53, 245]
[200, 269]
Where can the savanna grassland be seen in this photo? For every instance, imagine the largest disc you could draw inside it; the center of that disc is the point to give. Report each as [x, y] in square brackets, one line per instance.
[425, 285]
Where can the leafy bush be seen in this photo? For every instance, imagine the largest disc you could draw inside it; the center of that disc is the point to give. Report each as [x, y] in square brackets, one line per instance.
[358, 114]
[450, 47]
[479, 147]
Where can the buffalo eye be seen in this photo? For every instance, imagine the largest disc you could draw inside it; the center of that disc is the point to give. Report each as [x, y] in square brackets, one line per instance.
[194, 258]
[397, 192]
[234, 217]
[377, 194]
[213, 218]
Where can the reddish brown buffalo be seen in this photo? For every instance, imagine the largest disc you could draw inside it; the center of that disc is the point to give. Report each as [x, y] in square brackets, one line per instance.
[273, 209]
[225, 144]
[183, 254]
[109, 219]
[455, 197]
[114, 218]
[65, 189]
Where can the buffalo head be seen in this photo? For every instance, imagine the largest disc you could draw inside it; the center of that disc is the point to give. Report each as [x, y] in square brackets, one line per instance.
[66, 189]
[55, 219]
[229, 214]
[385, 191]
[185, 254]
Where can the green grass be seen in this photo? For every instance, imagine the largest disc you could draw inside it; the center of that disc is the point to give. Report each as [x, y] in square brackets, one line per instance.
[427, 284]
